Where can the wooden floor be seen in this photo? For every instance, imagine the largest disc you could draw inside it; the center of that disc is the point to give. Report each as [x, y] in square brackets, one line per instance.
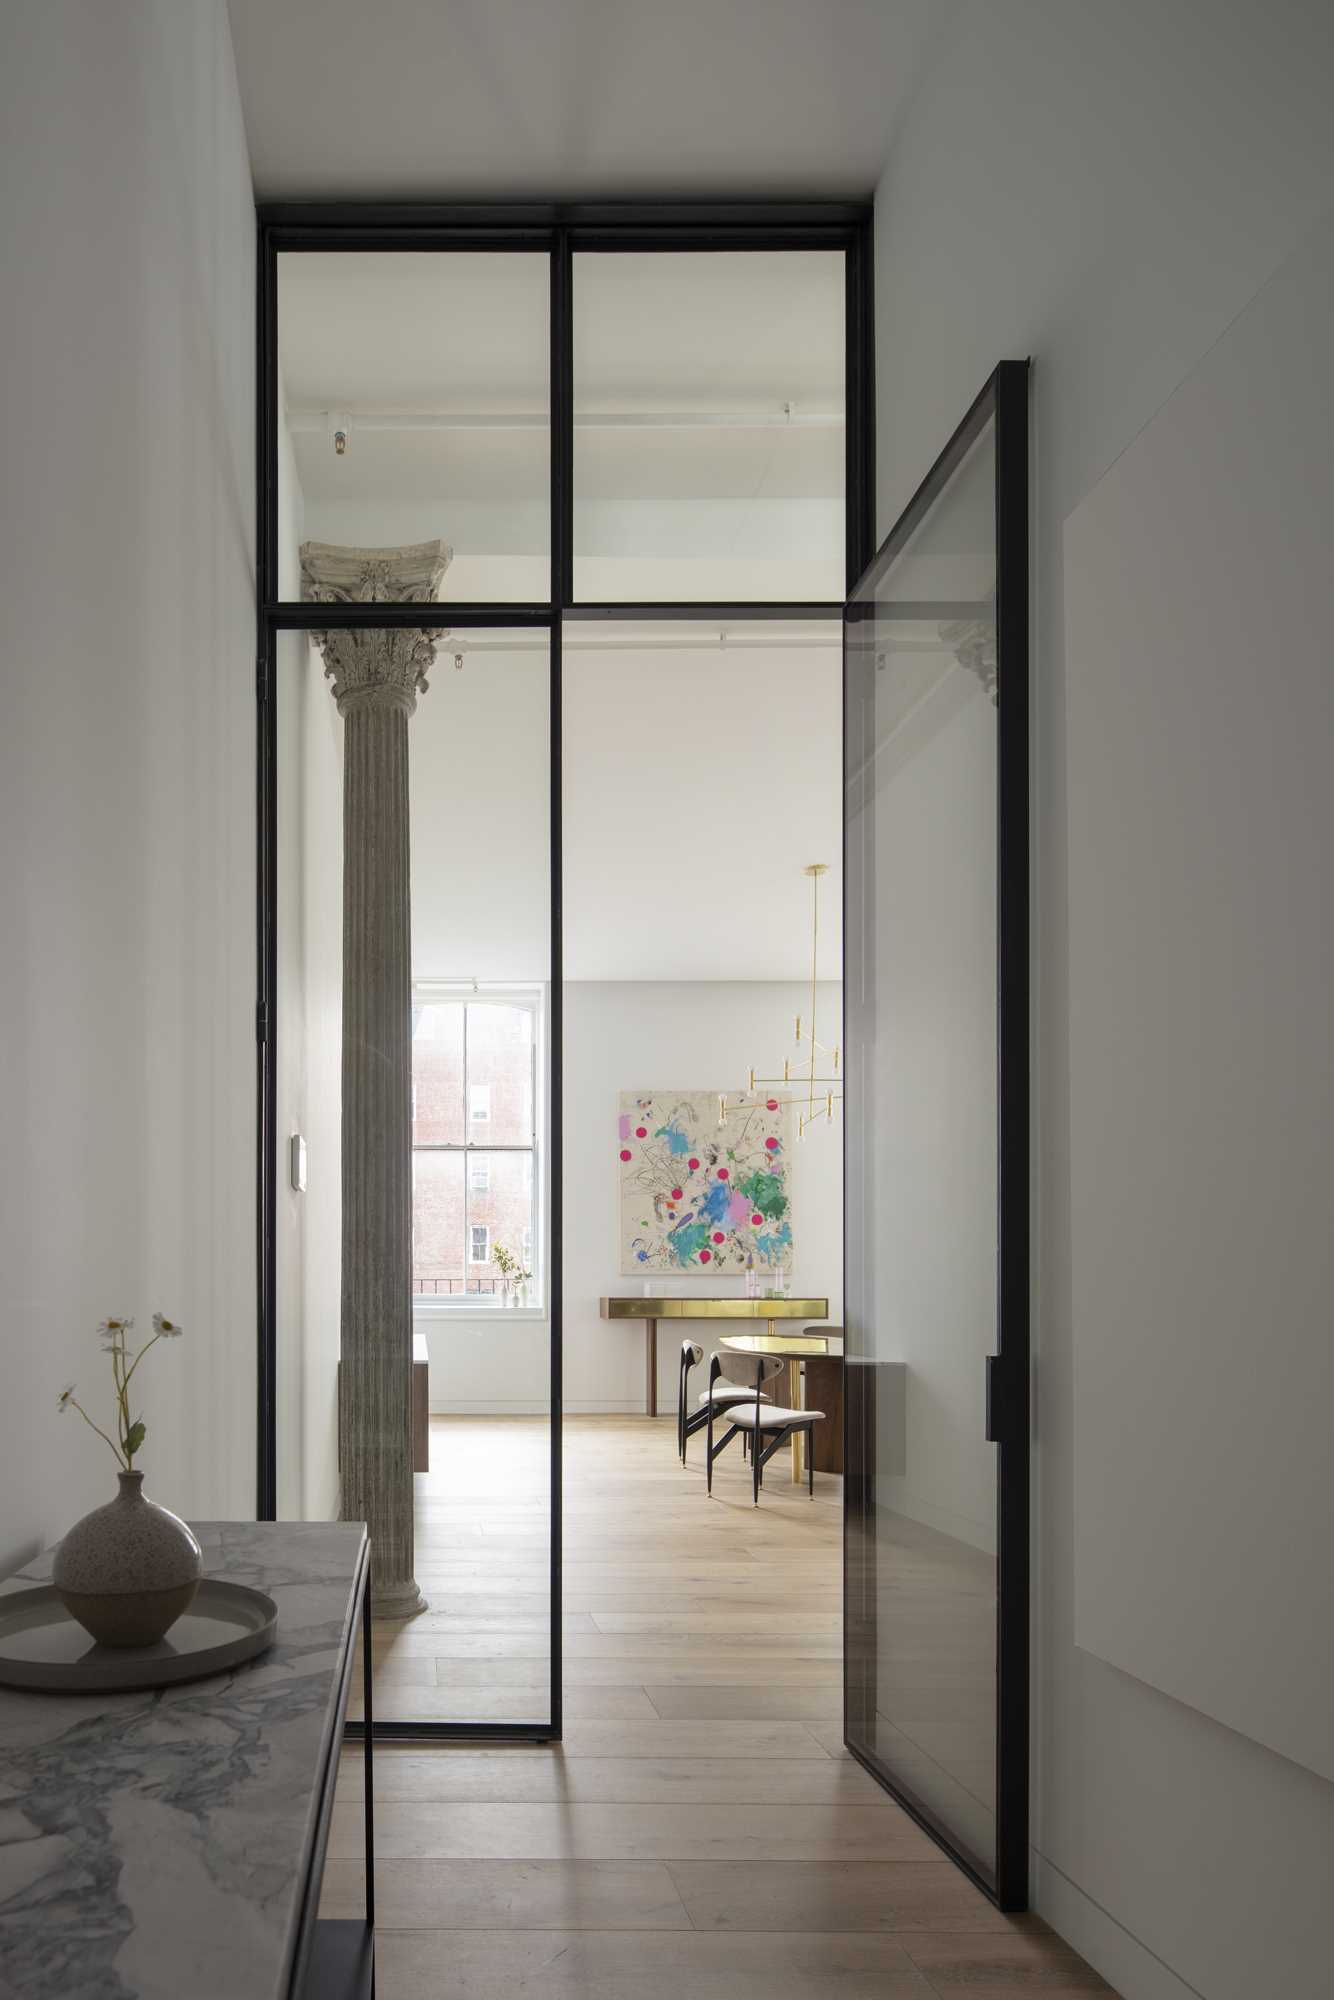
[700, 1833]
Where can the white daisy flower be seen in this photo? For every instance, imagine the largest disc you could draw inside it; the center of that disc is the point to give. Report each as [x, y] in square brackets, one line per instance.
[168, 1328]
[65, 1397]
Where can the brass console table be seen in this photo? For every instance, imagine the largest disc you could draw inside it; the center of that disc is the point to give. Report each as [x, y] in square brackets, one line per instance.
[653, 1309]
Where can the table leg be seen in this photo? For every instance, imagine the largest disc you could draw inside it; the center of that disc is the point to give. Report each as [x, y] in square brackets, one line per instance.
[651, 1367]
[795, 1403]
[792, 1397]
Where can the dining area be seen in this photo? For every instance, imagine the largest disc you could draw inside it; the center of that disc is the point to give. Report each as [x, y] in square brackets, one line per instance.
[775, 1373]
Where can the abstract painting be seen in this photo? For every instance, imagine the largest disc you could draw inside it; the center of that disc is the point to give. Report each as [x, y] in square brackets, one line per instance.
[701, 1197]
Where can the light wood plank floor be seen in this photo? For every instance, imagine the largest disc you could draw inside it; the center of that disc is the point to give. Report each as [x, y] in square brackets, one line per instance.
[700, 1830]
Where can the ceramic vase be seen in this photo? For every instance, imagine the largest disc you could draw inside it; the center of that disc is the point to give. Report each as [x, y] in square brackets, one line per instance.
[128, 1570]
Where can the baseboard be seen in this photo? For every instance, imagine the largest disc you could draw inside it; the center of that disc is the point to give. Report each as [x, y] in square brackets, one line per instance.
[1125, 1963]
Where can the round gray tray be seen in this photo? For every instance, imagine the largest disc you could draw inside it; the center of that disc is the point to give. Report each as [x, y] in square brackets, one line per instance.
[45, 1650]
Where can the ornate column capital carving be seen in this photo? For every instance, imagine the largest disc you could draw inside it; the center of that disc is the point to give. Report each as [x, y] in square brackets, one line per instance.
[973, 644]
[385, 667]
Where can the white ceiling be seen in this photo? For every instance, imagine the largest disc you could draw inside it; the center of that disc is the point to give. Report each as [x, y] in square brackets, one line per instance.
[601, 99]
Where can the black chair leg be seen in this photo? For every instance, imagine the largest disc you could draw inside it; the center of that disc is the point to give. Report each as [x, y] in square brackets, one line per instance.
[810, 1464]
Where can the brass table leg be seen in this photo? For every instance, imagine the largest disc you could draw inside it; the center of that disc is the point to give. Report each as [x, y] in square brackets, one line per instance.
[651, 1367]
[792, 1396]
[794, 1403]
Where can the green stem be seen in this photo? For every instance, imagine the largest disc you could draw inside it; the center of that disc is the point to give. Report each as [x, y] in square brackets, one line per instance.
[134, 1364]
[117, 1453]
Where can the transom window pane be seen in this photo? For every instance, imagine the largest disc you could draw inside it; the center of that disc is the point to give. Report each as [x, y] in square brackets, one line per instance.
[414, 403]
[709, 426]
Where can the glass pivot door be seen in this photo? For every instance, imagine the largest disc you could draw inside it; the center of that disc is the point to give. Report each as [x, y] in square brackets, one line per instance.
[936, 789]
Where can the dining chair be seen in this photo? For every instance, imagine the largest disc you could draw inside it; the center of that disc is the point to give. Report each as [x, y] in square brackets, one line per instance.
[721, 1394]
[764, 1423]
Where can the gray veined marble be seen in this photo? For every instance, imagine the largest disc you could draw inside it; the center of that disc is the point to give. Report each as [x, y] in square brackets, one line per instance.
[156, 1846]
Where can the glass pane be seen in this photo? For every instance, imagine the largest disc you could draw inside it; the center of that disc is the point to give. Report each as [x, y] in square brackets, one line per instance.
[709, 426]
[439, 1226]
[500, 1075]
[383, 978]
[921, 1273]
[414, 404]
[500, 1219]
[701, 773]
[437, 1073]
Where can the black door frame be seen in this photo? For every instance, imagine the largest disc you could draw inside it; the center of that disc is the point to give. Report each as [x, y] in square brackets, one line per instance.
[1004, 400]
[561, 231]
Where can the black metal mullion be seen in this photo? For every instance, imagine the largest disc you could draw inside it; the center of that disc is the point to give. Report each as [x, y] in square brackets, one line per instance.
[467, 1190]
[556, 1203]
[562, 422]
[704, 223]
[683, 611]
[304, 614]
[859, 394]
[266, 879]
[1012, 1734]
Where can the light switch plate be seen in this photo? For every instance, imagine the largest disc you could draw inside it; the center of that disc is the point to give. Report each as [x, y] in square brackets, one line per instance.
[296, 1147]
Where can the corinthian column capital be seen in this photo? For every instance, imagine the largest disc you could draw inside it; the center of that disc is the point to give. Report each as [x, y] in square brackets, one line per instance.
[385, 667]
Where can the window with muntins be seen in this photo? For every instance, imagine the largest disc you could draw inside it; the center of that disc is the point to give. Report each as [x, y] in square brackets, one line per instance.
[474, 1142]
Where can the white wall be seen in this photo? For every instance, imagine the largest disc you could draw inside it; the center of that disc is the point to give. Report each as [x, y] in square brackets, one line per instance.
[1106, 188]
[127, 968]
[1212, 1144]
[624, 1036]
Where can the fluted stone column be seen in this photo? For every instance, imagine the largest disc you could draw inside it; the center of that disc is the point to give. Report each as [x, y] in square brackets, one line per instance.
[377, 675]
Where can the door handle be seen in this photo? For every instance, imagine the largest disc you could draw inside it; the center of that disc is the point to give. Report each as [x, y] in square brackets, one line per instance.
[1007, 1402]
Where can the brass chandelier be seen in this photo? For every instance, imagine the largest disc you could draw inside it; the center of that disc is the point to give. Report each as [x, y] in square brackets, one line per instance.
[817, 1095]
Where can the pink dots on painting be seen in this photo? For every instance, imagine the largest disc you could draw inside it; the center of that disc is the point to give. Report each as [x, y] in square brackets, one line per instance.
[718, 1236]
[772, 1144]
[626, 1153]
[723, 1174]
[641, 1131]
[692, 1164]
[706, 1256]
[755, 1221]
[677, 1195]
[772, 1104]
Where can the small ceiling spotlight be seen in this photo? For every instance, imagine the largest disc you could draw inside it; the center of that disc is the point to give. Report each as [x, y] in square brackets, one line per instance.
[338, 431]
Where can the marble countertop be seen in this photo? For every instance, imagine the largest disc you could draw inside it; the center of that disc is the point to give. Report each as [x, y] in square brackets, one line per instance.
[156, 1846]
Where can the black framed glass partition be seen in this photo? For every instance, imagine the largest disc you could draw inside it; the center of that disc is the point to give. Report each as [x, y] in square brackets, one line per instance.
[936, 1300]
[442, 422]
[470, 946]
